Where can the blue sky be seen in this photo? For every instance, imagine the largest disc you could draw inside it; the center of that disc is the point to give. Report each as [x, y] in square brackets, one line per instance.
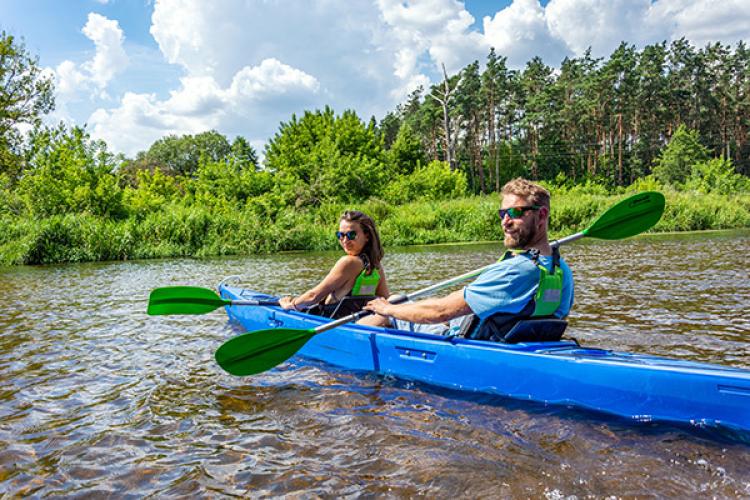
[136, 70]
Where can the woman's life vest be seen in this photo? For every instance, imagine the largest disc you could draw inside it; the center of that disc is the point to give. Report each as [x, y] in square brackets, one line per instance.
[366, 284]
[362, 292]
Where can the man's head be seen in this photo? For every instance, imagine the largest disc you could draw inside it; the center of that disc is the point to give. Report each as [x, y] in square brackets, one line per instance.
[524, 213]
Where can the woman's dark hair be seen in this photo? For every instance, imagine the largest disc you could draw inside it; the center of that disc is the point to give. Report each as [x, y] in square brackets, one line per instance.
[373, 249]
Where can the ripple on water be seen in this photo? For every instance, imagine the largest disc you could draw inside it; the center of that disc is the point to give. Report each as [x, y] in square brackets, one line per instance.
[98, 399]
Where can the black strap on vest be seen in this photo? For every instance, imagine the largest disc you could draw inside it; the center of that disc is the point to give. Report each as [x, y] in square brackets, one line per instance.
[344, 307]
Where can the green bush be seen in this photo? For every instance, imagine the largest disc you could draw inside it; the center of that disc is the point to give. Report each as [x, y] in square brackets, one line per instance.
[674, 164]
[434, 181]
[716, 175]
[179, 230]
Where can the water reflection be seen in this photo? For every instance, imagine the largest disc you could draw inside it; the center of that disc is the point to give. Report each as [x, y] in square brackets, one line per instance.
[96, 398]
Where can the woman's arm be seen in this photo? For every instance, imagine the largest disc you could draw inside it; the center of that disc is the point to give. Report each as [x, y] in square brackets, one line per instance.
[382, 290]
[344, 272]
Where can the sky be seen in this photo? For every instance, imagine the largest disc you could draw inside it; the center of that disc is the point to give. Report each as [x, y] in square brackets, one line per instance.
[133, 71]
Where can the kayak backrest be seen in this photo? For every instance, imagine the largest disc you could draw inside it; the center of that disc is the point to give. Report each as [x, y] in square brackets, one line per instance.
[536, 330]
[526, 330]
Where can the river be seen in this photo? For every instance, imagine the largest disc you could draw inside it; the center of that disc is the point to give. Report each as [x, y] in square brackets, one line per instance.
[99, 399]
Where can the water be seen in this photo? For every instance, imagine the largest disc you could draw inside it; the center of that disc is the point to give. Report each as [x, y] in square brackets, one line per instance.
[98, 399]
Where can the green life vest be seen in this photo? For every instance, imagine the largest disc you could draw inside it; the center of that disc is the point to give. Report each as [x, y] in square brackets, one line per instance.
[366, 284]
[549, 294]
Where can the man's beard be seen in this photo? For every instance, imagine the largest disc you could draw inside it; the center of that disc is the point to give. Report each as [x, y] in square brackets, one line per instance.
[524, 235]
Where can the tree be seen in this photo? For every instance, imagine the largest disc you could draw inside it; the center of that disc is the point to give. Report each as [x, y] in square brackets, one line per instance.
[676, 161]
[444, 96]
[182, 155]
[25, 95]
[406, 152]
[536, 83]
[322, 156]
[388, 129]
[67, 172]
[242, 152]
[469, 107]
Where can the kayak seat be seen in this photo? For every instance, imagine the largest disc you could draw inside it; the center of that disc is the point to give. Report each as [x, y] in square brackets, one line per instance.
[346, 306]
[536, 330]
[510, 330]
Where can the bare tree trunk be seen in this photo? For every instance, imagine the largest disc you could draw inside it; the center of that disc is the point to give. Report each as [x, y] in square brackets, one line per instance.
[450, 146]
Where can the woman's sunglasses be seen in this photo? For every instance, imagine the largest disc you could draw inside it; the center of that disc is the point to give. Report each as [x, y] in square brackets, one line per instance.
[350, 235]
[516, 212]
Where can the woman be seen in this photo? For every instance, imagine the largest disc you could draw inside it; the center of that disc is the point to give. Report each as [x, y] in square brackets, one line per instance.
[355, 279]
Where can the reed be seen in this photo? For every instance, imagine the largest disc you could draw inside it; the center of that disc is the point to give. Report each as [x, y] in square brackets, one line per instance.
[201, 232]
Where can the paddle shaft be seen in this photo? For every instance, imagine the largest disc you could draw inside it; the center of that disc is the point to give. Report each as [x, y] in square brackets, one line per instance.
[567, 239]
[252, 302]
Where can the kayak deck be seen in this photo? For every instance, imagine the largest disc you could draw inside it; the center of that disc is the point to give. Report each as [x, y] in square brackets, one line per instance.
[635, 386]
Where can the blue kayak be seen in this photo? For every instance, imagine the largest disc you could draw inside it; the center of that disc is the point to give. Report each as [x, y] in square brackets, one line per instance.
[638, 387]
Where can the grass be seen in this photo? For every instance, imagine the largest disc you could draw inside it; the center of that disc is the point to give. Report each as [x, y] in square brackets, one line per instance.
[199, 232]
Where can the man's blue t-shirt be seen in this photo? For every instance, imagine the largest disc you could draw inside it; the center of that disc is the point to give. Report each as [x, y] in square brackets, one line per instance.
[509, 285]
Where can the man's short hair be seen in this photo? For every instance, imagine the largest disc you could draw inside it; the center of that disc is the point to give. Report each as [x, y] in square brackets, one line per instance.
[533, 192]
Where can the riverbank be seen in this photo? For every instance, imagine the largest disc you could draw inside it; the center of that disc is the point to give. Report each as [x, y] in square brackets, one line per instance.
[181, 231]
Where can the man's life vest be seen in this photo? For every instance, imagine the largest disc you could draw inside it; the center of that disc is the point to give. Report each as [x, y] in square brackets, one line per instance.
[542, 306]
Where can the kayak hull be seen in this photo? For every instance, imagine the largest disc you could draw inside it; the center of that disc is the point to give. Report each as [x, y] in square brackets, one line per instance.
[634, 386]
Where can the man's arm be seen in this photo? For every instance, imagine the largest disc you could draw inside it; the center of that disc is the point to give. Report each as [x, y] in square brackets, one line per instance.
[438, 310]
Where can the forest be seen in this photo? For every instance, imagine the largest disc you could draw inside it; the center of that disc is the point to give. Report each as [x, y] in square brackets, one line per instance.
[667, 117]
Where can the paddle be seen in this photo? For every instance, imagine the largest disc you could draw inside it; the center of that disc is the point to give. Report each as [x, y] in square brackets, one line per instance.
[629, 217]
[193, 300]
[258, 351]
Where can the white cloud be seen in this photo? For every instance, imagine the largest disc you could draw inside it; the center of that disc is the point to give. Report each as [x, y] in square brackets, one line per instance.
[201, 104]
[703, 21]
[563, 28]
[94, 75]
[520, 32]
[272, 78]
[110, 57]
[440, 27]
[601, 24]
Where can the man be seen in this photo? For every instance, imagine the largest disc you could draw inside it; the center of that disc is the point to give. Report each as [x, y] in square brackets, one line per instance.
[523, 284]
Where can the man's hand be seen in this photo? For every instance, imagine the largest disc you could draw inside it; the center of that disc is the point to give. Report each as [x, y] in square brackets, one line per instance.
[378, 306]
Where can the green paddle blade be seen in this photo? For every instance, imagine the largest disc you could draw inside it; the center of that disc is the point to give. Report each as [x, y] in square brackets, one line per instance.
[183, 300]
[258, 351]
[629, 217]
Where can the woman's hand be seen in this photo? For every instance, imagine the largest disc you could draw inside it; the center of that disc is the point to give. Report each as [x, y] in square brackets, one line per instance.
[287, 303]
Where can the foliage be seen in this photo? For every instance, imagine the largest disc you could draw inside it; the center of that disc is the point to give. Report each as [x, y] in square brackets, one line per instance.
[152, 192]
[198, 231]
[182, 155]
[434, 181]
[605, 119]
[676, 160]
[716, 175]
[226, 184]
[322, 156]
[25, 94]
[66, 172]
[406, 152]
[589, 132]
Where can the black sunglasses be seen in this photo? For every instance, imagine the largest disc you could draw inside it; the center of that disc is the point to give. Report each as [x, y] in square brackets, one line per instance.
[350, 235]
[516, 212]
